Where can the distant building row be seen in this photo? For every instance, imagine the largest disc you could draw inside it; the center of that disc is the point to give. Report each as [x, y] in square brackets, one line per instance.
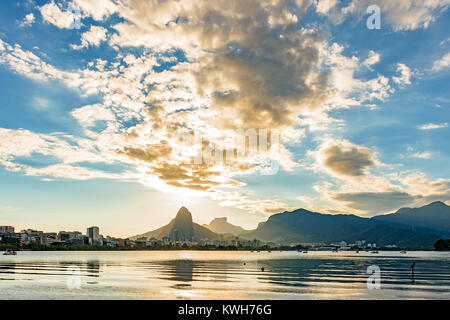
[182, 241]
[92, 237]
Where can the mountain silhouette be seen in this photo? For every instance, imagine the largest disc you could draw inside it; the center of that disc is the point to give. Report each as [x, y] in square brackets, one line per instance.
[434, 218]
[305, 226]
[181, 227]
[221, 225]
[408, 227]
[308, 227]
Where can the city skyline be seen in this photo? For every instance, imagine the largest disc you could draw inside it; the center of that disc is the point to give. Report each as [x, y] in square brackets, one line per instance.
[99, 102]
[420, 227]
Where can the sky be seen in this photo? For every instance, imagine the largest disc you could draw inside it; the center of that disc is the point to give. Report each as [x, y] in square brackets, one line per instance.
[110, 110]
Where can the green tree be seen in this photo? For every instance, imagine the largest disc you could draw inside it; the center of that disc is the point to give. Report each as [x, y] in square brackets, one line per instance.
[442, 245]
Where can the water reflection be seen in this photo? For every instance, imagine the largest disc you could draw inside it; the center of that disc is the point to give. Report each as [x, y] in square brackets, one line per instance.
[177, 271]
[190, 270]
[215, 275]
[8, 268]
[93, 268]
[302, 272]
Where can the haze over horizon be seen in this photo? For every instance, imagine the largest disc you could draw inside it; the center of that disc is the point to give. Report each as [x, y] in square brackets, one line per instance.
[94, 101]
[406, 228]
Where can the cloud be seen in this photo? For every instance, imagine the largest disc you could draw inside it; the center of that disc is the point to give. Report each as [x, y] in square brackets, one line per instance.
[348, 90]
[93, 37]
[442, 63]
[372, 59]
[424, 190]
[149, 154]
[28, 20]
[118, 88]
[28, 64]
[97, 9]
[53, 14]
[204, 67]
[419, 185]
[61, 171]
[91, 115]
[433, 126]
[374, 202]
[123, 93]
[260, 83]
[405, 75]
[377, 194]
[324, 6]
[401, 15]
[342, 158]
[178, 100]
[445, 41]
[422, 155]
[68, 150]
[16, 143]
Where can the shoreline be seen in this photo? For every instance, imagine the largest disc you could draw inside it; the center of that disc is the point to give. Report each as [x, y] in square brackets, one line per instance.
[222, 250]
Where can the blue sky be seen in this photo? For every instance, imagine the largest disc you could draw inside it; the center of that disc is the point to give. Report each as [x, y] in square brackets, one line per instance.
[90, 118]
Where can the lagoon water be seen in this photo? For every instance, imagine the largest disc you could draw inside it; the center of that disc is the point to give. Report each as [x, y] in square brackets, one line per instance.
[222, 275]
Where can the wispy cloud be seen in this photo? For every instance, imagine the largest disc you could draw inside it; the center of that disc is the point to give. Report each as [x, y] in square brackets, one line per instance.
[372, 59]
[210, 67]
[422, 155]
[93, 37]
[399, 15]
[405, 75]
[433, 126]
[28, 20]
[442, 63]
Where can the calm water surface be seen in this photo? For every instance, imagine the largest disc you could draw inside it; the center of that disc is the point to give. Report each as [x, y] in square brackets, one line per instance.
[223, 275]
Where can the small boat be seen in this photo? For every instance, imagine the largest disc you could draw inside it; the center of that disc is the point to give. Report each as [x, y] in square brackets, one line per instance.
[374, 251]
[306, 251]
[269, 251]
[334, 250]
[403, 251]
[10, 252]
[357, 251]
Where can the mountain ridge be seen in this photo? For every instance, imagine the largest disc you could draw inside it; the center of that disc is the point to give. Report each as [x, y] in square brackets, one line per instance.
[182, 226]
[433, 217]
[306, 226]
[407, 227]
[221, 225]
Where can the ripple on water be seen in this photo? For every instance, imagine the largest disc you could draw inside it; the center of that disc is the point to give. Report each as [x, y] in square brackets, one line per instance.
[214, 275]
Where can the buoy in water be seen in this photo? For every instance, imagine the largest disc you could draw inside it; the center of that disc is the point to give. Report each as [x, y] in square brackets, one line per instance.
[262, 269]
